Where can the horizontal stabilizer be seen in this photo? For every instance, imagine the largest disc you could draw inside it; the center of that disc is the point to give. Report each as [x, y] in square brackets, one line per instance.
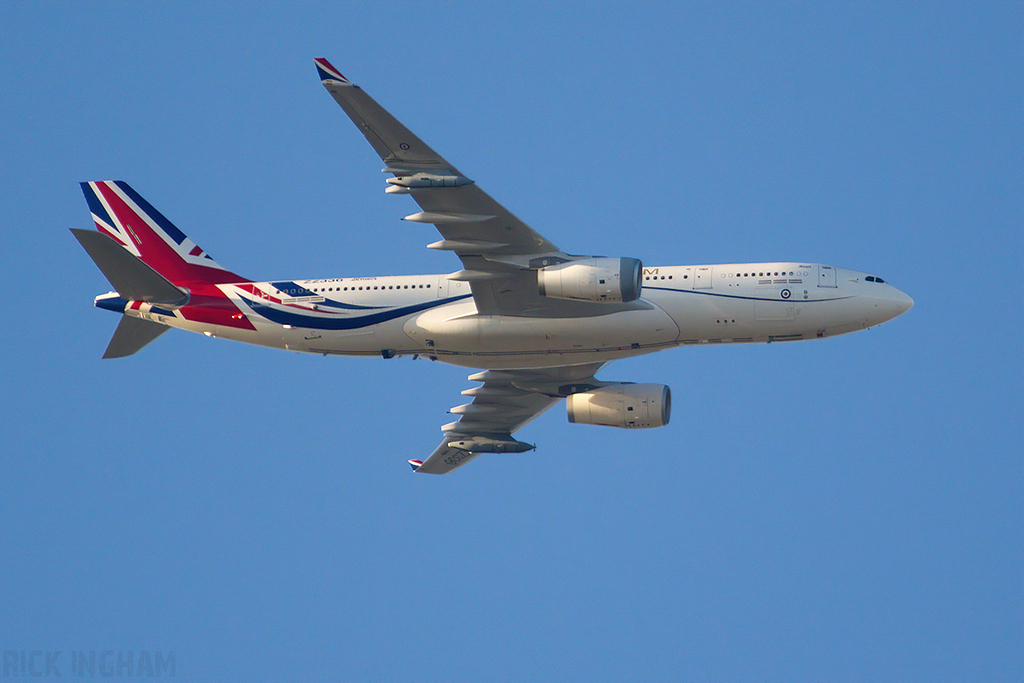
[131, 335]
[133, 279]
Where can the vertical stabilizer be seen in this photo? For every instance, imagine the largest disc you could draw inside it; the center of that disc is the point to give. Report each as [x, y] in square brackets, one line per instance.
[132, 222]
[150, 262]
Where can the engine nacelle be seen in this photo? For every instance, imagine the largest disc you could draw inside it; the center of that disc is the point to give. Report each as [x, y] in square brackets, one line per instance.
[610, 280]
[631, 406]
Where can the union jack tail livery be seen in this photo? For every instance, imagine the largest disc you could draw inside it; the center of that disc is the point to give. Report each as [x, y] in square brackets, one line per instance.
[327, 72]
[162, 277]
[123, 215]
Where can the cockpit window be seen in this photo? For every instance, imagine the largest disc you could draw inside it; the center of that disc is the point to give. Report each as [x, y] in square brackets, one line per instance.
[872, 278]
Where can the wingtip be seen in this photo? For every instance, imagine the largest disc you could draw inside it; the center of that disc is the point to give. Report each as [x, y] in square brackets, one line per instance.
[416, 464]
[328, 72]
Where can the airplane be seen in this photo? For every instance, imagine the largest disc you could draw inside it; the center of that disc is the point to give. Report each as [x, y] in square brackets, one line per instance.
[537, 322]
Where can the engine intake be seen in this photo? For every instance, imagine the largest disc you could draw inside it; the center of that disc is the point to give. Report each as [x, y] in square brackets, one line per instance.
[631, 406]
[610, 280]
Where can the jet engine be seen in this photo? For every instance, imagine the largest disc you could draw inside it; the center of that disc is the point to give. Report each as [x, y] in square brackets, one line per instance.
[599, 279]
[631, 406]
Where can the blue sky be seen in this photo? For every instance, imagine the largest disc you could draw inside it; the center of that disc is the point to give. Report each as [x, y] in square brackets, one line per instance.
[848, 509]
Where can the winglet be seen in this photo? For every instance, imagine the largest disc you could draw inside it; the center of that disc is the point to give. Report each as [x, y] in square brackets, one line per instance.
[415, 464]
[328, 72]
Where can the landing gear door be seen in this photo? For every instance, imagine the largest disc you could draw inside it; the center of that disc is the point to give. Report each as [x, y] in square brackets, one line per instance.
[826, 276]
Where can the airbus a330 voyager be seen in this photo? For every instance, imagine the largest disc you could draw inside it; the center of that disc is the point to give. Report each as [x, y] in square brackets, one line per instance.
[538, 322]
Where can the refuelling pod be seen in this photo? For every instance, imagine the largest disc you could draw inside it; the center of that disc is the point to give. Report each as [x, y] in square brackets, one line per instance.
[603, 280]
[631, 406]
[486, 444]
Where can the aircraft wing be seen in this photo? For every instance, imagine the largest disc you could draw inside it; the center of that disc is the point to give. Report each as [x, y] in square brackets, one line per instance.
[506, 401]
[499, 253]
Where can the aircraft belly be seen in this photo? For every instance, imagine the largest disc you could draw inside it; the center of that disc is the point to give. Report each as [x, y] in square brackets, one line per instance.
[761, 315]
[463, 332]
[831, 318]
[740, 318]
[370, 340]
[705, 317]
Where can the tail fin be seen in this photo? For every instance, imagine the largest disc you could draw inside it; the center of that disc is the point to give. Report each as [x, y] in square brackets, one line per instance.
[149, 261]
[132, 223]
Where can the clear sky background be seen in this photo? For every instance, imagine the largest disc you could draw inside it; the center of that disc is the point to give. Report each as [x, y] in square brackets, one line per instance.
[838, 510]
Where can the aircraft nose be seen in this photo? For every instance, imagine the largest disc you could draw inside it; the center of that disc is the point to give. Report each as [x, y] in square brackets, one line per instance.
[903, 302]
[892, 303]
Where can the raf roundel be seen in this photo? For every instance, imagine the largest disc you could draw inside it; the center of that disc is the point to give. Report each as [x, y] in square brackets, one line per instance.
[786, 294]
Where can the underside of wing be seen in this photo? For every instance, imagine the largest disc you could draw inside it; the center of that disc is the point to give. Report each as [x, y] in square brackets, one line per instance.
[500, 254]
[504, 403]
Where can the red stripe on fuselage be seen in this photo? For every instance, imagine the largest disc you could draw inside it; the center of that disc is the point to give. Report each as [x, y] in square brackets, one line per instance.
[208, 304]
[260, 294]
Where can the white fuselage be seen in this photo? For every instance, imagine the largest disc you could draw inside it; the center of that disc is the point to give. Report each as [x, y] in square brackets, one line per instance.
[434, 316]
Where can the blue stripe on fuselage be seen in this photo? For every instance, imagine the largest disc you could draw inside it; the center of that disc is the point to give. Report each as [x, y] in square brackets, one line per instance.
[739, 296]
[293, 289]
[313, 322]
